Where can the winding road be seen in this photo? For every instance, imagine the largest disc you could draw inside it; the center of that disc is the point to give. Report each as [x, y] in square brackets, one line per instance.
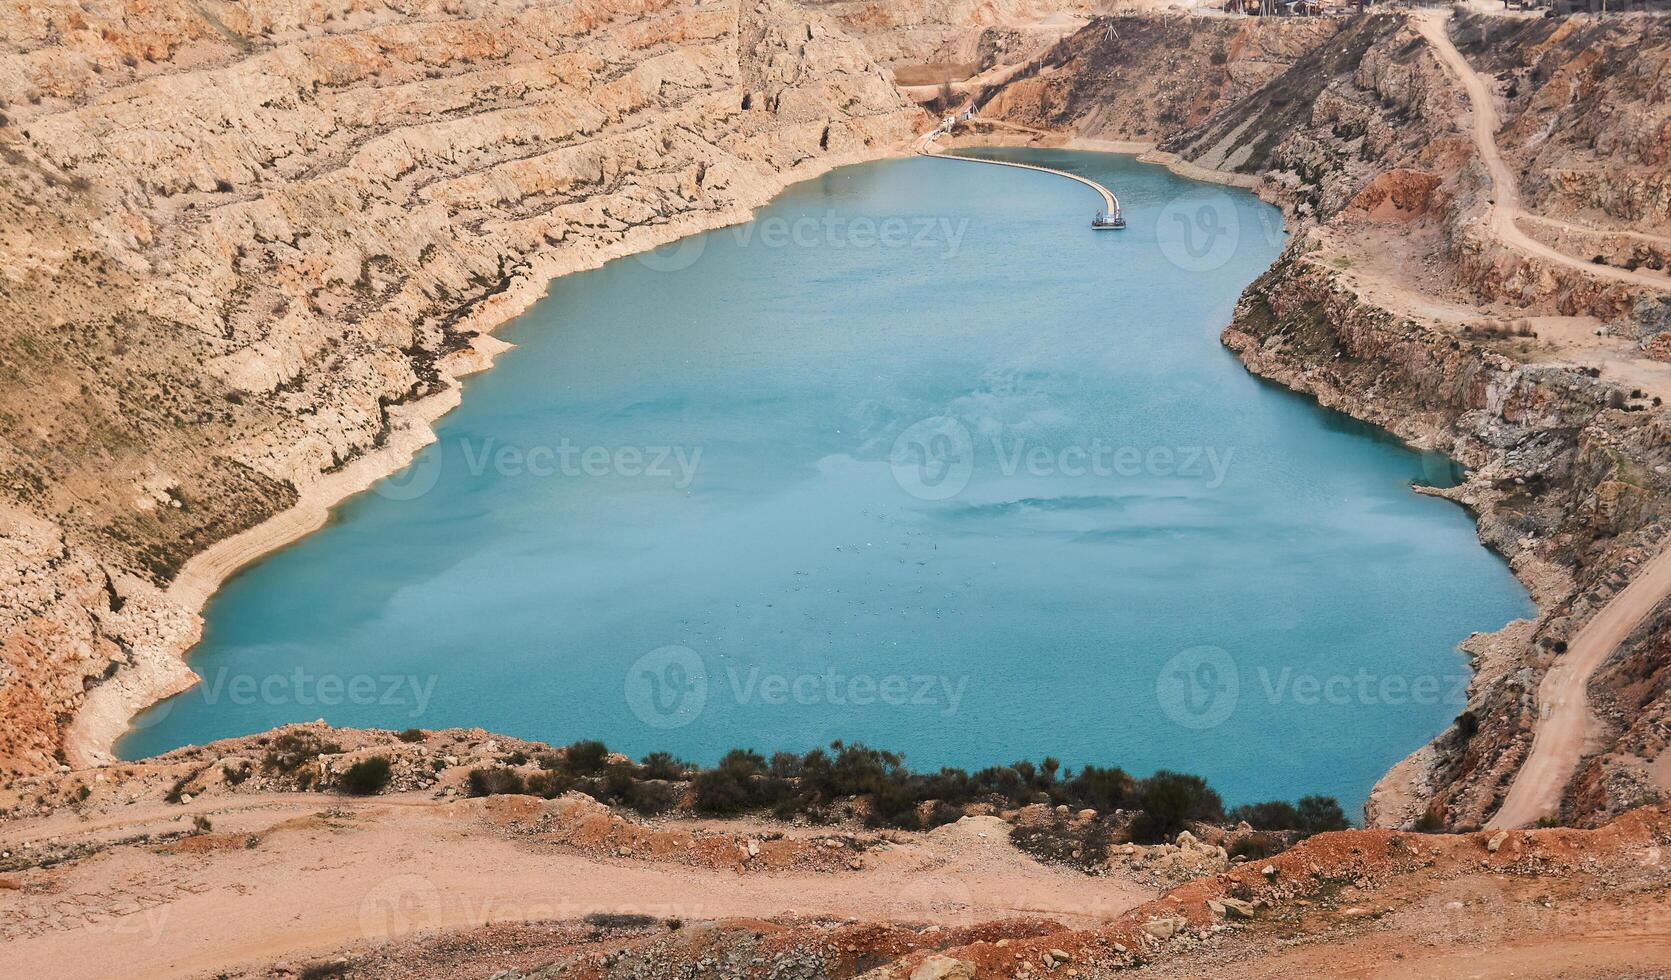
[1505, 209]
[1564, 724]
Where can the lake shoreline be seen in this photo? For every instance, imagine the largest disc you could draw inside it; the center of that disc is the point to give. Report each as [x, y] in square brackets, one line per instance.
[162, 670]
[412, 429]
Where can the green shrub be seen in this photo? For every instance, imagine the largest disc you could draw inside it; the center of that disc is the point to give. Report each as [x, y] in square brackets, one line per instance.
[893, 804]
[1312, 815]
[367, 777]
[1274, 815]
[652, 797]
[549, 784]
[177, 792]
[722, 790]
[411, 735]
[1256, 846]
[1320, 814]
[662, 765]
[1169, 801]
[744, 762]
[585, 757]
[942, 813]
[619, 920]
[1103, 789]
[814, 785]
[496, 782]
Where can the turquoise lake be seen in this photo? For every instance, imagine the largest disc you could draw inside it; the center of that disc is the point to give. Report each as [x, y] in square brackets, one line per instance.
[915, 458]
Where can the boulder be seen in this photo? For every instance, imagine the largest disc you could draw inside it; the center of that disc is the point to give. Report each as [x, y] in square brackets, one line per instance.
[1235, 908]
[1165, 928]
[943, 968]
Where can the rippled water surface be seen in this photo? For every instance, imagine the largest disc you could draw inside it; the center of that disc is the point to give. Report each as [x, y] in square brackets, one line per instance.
[916, 458]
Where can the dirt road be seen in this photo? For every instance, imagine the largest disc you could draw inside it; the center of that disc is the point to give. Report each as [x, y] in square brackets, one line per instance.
[1564, 723]
[284, 876]
[1505, 210]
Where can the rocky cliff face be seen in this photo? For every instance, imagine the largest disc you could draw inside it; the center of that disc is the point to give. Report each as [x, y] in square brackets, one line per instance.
[1569, 474]
[933, 40]
[1586, 127]
[1151, 78]
[1367, 102]
[1589, 113]
[1570, 489]
[240, 238]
